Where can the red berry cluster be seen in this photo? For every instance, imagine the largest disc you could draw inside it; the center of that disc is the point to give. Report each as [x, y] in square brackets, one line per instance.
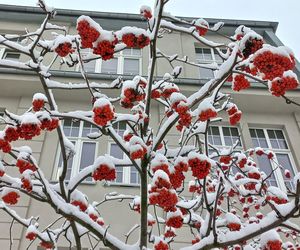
[195, 188]
[4, 145]
[176, 179]
[251, 46]
[195, 241]
[130, 96]
[200, 168]
[139, 153]
[38, 104]
[169, 233]
[49, 124]
[24, 165]
[11, 198]
[175, 221]
[155, 93]
[240, 82]
[103, 114]
[146, 12]
[11, 133]
[167, 92]
[46, 245]
[207, 114]
[201, 30]
[163, 197]
[29, 130]
[105, 49]
[225, 159]
[87, 33]
[280, 85]
[81, 205]
[161, 246]
[31, 236]
[272, 65]
[26, 184]
[104, 172]
[133, 41]
[234, 226]
[64, 49]
[235, 115]
[276, 199]
[273, 245]
[254, 175]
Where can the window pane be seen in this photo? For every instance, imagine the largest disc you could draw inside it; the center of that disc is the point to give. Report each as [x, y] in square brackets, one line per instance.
[131, 66]
[132, 52]
[109, 66]
[12, 56]
[271, 134]
[134, 176]
[120, 127]
[215, 131]
[206, 73]
[259, 135]
[279, 134]
[87, 156]
[252, 133]
[274, 143]
[90, 66]
[117, 152]
[265, 166]
[285, 162]
[71, 127]
[282, 144]
[88, 128]
[226, 131]
[234, 132]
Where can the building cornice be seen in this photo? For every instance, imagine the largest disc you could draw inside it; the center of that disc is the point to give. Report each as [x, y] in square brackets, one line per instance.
[36, 13]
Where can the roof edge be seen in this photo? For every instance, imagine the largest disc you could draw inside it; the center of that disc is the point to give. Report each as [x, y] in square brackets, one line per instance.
[130, 16]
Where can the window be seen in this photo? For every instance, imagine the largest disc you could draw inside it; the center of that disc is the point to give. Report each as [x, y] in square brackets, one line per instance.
[125, 174]
[223, 136]
[77, 132]
[274, 139]
[127, 62]
[10, 55]
[207, 56]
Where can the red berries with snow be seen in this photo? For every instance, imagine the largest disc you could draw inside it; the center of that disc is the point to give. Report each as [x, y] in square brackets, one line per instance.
[105, 49]
[206, 110]
[10, 196]
[11, 133]
[24, 165]
[79, 200]
[252, 45]
[280, 85]
[234, 114]
[174, 219]
[240, 82]
[88, 31]
[30, 126]
[201, 26]
[134, 37]
[4, 145]
[270, 240]
[103, 111]
[38, 101]
[31, 236]
[132, 91]
[137, 149]
[104, 169]
[200, 165]
[272, 62]
[161, 245]
[146, 12]
[46, 245]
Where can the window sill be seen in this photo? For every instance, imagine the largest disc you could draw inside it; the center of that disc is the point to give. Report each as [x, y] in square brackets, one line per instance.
[121, 185]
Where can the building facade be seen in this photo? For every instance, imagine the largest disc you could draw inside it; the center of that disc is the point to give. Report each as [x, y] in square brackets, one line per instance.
[267, 121]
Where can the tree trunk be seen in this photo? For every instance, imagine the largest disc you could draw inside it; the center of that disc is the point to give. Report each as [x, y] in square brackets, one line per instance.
[144, 206]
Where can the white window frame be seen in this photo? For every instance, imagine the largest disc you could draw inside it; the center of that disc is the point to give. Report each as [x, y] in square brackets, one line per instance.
[277, 172]
[205, 61]
[120, 56]
[77, 157]
[126, 177]
[224, 146]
